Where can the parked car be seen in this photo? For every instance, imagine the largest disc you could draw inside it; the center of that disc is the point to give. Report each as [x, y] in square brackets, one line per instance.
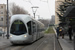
[1, 32]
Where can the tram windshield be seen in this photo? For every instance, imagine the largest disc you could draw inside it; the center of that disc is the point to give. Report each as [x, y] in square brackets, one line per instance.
[18, 28]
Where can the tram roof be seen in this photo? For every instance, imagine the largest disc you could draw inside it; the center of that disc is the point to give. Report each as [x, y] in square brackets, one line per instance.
[26, 16]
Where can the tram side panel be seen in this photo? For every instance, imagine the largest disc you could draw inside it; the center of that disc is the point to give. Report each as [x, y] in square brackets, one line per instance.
[34, 30]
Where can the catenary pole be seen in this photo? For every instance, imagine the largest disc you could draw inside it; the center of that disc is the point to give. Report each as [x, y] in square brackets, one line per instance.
[7, 21]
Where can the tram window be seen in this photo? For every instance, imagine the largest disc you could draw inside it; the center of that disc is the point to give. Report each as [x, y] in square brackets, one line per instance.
[34, 27]
[18, 28]
[29, 27]
[38, 29]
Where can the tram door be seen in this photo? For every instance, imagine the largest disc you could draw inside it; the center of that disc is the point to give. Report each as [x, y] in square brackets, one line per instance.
[31, 30]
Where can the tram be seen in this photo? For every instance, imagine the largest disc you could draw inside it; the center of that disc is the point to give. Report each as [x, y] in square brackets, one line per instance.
[24, 29]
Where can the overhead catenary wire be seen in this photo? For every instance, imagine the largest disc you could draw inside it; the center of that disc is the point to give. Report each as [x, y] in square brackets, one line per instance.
[47, 1]
[28, 1]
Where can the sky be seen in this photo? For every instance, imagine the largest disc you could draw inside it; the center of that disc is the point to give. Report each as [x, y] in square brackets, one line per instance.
[46, 8]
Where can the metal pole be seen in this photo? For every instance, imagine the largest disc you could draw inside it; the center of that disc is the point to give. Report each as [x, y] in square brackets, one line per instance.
[7, 22]
[34, 15]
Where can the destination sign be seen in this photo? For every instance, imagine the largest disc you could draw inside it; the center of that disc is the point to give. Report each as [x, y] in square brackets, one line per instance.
[18, 22]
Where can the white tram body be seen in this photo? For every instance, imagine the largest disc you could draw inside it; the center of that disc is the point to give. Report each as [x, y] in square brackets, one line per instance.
[24, 29]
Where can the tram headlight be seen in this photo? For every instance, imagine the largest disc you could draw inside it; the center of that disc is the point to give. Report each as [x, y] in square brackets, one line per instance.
[10, 35]
[25, 35]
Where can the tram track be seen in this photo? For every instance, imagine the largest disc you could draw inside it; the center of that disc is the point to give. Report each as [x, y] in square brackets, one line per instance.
[20, 47]
[41, 44]
[45, 44]
[34, 45]
[15, 48]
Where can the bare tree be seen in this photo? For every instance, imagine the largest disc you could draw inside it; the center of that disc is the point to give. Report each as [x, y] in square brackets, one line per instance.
[46, 22]
[15, 9]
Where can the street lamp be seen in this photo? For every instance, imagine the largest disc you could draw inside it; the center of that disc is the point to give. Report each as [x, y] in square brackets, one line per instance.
[34, 9]
[7, 22]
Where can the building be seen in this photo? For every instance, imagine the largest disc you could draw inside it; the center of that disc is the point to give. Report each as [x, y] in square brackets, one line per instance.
[52, 21]
[3, 20]
[57, 3]
[2, 15]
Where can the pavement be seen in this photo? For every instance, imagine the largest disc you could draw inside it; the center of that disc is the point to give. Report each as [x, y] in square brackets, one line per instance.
[66, 44]
[3, 41]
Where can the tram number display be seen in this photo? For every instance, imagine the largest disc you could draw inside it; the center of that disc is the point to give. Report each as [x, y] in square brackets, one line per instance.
[18, 22]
